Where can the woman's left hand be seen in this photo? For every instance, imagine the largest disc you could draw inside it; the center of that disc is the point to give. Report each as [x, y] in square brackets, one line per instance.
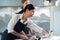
[44, 32]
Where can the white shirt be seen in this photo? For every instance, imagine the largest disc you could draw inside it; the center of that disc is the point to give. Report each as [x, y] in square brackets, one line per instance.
[30, 24]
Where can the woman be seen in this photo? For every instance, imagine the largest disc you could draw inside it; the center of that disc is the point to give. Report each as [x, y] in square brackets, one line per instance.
[24, 3]
[27, 29]
[18, 23]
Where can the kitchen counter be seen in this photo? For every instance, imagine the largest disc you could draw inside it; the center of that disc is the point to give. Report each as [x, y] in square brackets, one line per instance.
[48, 38]
[51, 38]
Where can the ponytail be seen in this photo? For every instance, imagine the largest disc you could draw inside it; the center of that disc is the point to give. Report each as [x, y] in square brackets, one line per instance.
[20, 12]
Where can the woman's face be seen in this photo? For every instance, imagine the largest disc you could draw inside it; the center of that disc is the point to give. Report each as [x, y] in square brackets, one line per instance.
[26, 3]
[30, 13]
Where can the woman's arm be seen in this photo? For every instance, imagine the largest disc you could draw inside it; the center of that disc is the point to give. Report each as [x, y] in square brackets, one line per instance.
[36, 28]
[31, 31]
[11, 25]
[22, 36]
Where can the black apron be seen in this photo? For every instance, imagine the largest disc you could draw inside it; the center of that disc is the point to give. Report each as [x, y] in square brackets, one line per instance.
[18, 28]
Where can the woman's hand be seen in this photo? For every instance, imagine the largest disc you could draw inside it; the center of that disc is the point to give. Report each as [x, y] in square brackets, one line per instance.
[24, 37]
[33, 33]
[44, 32]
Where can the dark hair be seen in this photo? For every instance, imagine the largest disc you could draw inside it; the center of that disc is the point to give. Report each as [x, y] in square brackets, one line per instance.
[29, 7]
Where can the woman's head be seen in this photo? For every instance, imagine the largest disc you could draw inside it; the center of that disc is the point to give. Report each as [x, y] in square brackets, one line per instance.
[29, 10]
[24, 3]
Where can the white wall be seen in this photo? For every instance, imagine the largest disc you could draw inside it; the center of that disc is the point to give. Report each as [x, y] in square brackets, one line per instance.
[10, 2]
[55, 19]
[18, 2]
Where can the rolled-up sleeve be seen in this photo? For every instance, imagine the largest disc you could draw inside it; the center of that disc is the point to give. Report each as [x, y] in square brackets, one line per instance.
[12, 23]
[34, 27]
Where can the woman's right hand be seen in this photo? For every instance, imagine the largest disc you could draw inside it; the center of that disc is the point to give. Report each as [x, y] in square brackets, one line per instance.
[23, 37]
[33, 33]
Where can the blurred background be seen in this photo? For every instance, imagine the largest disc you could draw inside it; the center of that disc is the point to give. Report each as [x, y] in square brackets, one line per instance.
[46, 14]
